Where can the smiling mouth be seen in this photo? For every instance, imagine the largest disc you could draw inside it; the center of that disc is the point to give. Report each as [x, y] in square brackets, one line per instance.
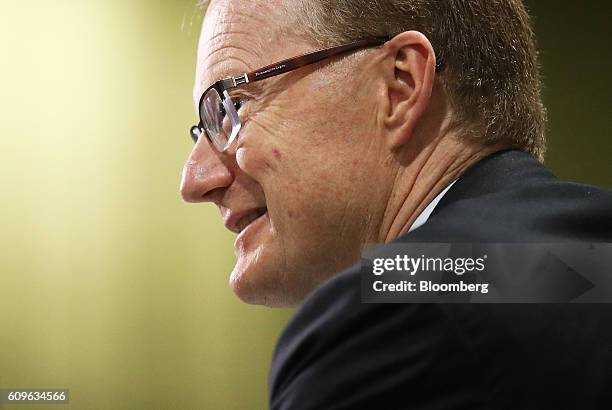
[250, 218]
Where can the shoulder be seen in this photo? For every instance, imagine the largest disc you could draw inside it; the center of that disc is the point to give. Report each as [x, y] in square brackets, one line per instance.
[512, 197]
[340, 353]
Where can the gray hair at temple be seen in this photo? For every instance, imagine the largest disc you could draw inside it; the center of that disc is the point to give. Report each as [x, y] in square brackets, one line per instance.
[489, 58]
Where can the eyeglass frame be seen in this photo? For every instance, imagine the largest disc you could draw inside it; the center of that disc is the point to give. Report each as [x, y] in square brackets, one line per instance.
[272, 70]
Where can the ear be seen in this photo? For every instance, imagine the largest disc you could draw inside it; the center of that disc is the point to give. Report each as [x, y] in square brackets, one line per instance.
[409, 86]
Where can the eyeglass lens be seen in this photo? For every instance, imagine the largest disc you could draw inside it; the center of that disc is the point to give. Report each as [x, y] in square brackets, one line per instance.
[219, 118]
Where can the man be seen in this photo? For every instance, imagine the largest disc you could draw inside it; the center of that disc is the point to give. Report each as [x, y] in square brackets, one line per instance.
[421, 121]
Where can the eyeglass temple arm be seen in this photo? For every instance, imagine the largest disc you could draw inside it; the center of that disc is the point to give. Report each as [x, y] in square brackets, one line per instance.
[304, 60]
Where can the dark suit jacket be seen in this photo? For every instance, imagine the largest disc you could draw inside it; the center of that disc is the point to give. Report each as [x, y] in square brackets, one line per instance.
[337, 353]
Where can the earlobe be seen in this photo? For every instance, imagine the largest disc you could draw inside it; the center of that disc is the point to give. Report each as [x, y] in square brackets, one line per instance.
[410, 86]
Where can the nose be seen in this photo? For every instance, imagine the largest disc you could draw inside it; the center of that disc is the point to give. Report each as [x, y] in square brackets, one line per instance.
[206, 174]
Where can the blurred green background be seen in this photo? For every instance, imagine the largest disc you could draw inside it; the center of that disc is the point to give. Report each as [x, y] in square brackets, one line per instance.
[110, 285]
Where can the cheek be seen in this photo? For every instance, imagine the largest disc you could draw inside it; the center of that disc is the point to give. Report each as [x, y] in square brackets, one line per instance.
[262, 150]
[304, 200]
[254, 162]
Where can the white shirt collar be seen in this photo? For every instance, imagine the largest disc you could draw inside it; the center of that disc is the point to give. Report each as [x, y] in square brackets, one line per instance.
[424, 216]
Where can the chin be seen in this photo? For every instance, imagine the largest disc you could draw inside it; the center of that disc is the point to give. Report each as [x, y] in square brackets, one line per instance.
[257, 285]
[252, 286]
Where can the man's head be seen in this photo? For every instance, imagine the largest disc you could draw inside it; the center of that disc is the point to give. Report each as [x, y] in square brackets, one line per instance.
[323, 149]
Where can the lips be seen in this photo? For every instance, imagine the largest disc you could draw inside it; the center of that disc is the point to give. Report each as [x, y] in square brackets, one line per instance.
[247, 219]
[237, 222]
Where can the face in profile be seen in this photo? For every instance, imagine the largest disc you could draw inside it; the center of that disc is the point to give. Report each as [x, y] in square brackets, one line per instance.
[292, 185]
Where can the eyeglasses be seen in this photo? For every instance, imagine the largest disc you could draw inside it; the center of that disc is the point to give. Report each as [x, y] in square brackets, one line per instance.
[219, 119]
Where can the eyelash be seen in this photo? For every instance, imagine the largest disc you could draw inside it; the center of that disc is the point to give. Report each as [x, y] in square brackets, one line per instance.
[239, 102]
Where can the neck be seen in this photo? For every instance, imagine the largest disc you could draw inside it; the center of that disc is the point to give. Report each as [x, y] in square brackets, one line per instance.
[422, 176]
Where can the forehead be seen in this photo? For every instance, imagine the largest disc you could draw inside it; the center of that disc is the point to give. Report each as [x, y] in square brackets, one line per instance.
[239, 36]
